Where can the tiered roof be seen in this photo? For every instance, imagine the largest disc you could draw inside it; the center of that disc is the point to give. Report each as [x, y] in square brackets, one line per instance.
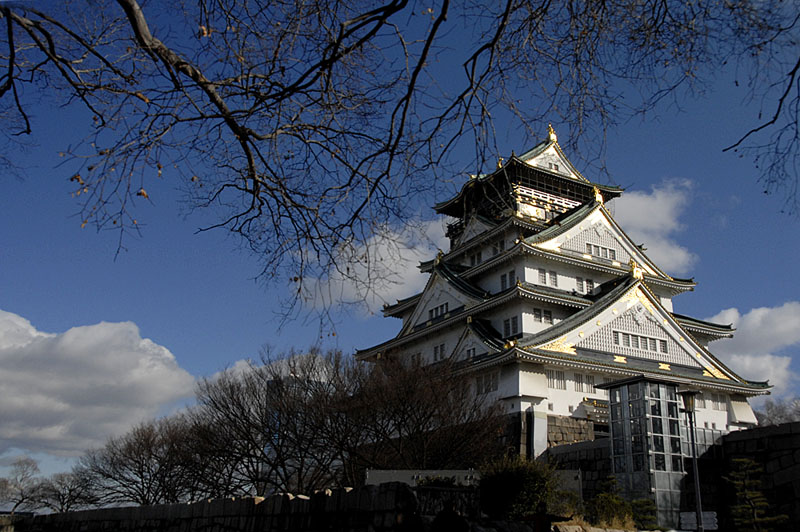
[589, 338]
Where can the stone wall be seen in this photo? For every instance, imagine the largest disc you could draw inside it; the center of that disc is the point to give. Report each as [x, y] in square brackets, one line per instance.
[591, 458]
[777, 450]
[562, 430]
[377, 508]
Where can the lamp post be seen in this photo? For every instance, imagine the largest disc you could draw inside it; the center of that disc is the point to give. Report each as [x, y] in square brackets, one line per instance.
[688, 407]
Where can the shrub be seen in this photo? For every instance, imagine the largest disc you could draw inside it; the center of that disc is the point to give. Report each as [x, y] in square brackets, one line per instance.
[608, 509]
[645, 513]
[513, 487]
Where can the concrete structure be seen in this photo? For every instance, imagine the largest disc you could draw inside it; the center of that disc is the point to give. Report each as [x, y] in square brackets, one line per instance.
[542, 296]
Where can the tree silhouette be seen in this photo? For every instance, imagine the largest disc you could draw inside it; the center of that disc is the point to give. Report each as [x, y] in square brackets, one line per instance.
[313, 129]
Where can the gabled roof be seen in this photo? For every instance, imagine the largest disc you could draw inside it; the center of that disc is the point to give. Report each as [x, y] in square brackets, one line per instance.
[594, 215]
[411, 332]
[571, 339]
[569, 181]
[704, 327]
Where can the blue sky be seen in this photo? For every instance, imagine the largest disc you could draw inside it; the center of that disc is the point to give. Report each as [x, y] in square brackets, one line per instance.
[92, 341]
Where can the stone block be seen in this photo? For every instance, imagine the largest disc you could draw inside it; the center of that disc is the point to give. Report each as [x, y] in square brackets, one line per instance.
[786, 476]
[567, 528]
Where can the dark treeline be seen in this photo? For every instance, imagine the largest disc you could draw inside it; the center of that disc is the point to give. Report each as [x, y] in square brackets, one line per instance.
[296, 423]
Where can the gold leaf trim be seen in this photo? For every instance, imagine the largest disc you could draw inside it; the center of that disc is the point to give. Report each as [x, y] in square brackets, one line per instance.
[560, 346]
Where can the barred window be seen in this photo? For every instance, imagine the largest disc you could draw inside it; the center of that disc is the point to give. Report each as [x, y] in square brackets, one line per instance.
[556, 380]
[578, 379]
[503, 282]
[438, 352]
[487, 383]
[537, 315]
[553, 278]
[589, 285]
[511, 326]
[579, 284]
[589, 387]
[542, 276]
[635, 341]
[600, 251]
[547, 316]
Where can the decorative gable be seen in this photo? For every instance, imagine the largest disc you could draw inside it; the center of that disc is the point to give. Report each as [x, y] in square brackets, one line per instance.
[469, 346]
[638, 333]
[438, 301]
[474, 227]
[632, 326]
[552, 159]
[596, 237]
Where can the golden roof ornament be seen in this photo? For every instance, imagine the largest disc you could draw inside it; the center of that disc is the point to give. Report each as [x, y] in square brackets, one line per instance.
[551, 133]
[499, 163]
[438, 258]
[598, 196]
[637, 272]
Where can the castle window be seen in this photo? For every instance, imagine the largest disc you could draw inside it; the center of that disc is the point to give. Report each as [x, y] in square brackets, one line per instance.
[438, 352]
[547, 316]
[589, 286]
[510, 326]
[537, 315]
[470, 352]
[589, 388]
[556, 380]
[579, 284]
[600, 251]
[578, 382]
[503, 282]
[487, 383]
[553, 278]
[475, 259]
[512, 278]
[644, 343]
[542, 276]
[700, 401]
[498, 247]
[441, 310]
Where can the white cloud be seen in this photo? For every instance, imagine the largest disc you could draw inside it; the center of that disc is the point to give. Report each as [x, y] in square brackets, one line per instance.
[652, 218]
[383, 270]
[762, 345]
[63, 393]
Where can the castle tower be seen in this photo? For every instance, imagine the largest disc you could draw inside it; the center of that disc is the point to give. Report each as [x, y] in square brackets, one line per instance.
[542, 296]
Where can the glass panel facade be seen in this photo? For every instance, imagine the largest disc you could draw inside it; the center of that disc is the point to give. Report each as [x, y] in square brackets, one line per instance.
[648, 437]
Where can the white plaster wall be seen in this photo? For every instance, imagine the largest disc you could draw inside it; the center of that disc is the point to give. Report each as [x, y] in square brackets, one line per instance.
[566, 273]
[561, 400]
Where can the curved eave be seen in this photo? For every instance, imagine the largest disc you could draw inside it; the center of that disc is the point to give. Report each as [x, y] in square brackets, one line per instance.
[460, 284]
[485, 334]
[541, 356]
[605, 301]
[704, 327]
[452, 207]
[676, 286]
[402, 305]
[519, 291]
[575, 217]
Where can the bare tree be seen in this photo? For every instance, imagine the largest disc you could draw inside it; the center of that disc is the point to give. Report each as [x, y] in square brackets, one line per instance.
[66, 492]
[309, 128]
[263, 424]
[413, 417]
[144, 466]
[22, 488]
[776, 412]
